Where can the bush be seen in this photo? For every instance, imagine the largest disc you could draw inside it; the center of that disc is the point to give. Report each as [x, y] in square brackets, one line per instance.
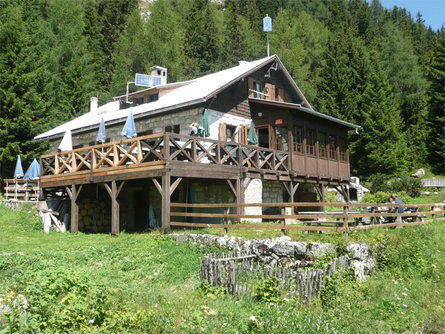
[378, 183]
[411, 185]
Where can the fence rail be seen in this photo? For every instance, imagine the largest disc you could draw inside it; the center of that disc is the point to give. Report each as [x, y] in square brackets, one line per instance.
[165, 147]
[19, 189]
[353, 216]
[239, 274]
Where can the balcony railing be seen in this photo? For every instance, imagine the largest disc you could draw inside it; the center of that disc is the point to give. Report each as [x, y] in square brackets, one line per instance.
[165, 147]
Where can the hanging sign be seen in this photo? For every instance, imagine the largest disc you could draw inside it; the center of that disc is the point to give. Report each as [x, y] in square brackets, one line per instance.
[279, 121]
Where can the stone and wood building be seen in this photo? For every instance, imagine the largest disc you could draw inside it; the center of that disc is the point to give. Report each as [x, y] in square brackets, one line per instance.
[299, 153]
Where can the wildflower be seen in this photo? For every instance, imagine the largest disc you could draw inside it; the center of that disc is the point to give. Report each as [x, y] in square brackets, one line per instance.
[91, 321]
[395, 282]
[252, 318]
[404, 305]
[404, 294]
[402, 312]
[398, 298]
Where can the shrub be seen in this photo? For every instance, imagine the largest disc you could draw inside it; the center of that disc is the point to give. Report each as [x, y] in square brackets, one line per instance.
[378, 183]
[411, 185]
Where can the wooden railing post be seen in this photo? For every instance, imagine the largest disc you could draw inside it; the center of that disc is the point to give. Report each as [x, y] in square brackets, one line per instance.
[345, 219]
[226, 222]
[167, 146]
[283, 221]
[433, 216]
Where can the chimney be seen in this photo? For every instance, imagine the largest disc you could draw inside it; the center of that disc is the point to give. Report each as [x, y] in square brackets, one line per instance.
[160, 72]
[93, 105]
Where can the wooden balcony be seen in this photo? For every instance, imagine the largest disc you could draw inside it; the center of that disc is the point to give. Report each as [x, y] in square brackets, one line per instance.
[151, 155]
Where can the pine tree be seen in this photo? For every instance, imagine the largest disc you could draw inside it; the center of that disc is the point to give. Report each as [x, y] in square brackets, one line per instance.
[436, 117]
[235, 37]
[381, 145]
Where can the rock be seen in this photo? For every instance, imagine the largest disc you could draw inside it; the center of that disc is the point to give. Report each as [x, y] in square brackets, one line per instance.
[363, 269]
[420, 172]
[284, 249]
[300, 248]
[318, 249]
[181, 238]
[359, 251]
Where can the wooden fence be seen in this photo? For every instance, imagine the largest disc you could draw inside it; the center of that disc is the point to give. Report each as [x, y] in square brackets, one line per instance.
[352, 216]
[240, 275]
[19, 189]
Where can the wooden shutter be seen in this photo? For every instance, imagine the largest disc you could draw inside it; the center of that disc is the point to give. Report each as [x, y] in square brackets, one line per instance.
[270, 91]
[281, 94]
[222, 132]
[251, 83]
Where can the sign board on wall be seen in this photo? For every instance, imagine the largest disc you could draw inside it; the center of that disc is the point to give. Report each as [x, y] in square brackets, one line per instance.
[279, 121]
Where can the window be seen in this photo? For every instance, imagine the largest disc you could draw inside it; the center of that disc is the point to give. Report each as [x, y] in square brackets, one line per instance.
[258, 89]
[322, 145]
[332, 147]
[310, 142]
[230, 132]
[298, 139]
[342, 144]
[138, 101]
[281, 138]
[152, 98]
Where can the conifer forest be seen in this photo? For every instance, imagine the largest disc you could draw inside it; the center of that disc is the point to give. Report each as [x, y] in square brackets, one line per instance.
[352, 59]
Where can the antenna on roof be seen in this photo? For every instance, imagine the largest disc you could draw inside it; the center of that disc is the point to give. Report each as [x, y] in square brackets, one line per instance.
[267, 26]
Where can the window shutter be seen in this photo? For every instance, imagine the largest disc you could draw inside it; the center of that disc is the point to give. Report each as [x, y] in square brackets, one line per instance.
[222, 132]
[251, 83]
[281, 94]
[270, 91]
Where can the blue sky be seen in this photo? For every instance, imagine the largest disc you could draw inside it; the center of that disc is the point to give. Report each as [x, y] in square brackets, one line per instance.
[433, 11]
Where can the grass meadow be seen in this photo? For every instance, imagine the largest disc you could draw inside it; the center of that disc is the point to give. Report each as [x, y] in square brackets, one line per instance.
[146, 283]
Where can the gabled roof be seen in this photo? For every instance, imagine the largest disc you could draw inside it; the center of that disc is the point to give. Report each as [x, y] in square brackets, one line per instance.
[193, 92]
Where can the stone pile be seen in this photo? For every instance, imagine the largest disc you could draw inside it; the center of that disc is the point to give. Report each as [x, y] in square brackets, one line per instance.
[287, 253]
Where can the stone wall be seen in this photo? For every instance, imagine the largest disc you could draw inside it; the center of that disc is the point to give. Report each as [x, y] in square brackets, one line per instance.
[290, 254]
[157, 124]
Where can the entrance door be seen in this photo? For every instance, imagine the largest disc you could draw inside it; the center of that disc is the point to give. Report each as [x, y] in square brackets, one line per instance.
[263, 136]
[281, 138]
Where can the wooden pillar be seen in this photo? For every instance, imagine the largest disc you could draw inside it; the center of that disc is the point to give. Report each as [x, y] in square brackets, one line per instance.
[114, 191]
[165, 194]
[73, 193]
[237, 187]
[166, 189]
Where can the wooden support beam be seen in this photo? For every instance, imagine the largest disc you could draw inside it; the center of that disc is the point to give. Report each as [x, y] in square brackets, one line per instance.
[175, 185]
[158, 186]
[73, 194]
[165, 194]
[114, 191]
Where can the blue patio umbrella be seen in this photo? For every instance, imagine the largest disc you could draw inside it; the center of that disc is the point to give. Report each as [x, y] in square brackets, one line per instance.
[129, 129]
[18, 173]
[33, 172]
[251, 138]
[204, 128]
[101, 134]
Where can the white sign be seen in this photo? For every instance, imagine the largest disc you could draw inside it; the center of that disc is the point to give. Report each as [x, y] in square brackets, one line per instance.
[146, 80]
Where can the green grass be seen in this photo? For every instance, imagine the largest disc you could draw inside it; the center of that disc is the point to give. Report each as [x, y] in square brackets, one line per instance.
[146, 283]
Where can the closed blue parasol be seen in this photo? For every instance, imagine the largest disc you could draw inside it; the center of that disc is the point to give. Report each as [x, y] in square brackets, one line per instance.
[129, 129]
[101, 134]
[33, 172]
[204, 128]
[251, 138]
[18, 173]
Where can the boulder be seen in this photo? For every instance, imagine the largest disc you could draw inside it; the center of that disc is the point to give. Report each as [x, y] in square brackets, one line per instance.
[359, 251]
[318, 249]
